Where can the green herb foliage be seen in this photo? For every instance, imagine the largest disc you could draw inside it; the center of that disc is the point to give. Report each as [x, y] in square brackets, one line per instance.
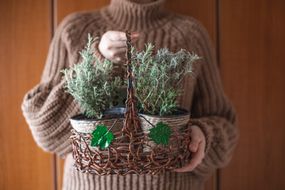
[91, 84]
[158, 78]
[160, 134]
[101, 137]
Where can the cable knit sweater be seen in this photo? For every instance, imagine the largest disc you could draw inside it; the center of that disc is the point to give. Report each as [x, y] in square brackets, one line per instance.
[47, 107]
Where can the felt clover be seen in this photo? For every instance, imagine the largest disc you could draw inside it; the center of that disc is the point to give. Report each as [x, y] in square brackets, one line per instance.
[101, 137]
[160, 134]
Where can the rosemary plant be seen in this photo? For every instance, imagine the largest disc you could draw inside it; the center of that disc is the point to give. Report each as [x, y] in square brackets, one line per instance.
[158, 78]
[91, 84]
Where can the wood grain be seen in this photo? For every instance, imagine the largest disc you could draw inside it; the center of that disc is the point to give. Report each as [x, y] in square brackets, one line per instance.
[252, 64]
[24, 40]
[65, 7]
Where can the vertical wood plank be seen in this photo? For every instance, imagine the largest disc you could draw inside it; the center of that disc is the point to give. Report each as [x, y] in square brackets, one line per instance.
[24, 39]
[65, 7]
[203, 10]
[252, 63]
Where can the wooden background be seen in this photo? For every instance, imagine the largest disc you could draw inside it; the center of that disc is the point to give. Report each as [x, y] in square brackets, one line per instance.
[249, 36]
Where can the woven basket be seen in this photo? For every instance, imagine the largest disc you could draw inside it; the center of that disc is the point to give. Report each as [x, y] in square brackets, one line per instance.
[131, 151]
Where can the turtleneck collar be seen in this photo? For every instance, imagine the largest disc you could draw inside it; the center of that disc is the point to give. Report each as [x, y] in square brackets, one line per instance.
[134, 16]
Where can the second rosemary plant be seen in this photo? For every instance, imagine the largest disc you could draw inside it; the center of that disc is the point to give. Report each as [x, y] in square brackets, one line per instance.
[158, 78]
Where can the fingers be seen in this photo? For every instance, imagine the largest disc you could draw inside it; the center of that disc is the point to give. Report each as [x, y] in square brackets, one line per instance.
[197, 147]
[106, 44]
[197, 157]
[113, 45]
[194, 144]
[196, 137]
[135, 36]
[116, 44]
[117, 60]
[195, 161]
[120, 36]
[116, 36]
[118, 51]
[117, 55]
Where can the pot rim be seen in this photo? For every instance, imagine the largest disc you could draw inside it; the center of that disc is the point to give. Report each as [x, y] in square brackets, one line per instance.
[183, 112]
[114, 113]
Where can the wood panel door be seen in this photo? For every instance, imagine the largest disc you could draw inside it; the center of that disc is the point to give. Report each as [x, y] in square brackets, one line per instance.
[24, 39]
[249, 36]
[252, 37]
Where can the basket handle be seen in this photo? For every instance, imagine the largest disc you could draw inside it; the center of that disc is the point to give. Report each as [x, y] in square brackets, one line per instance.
[132, 122]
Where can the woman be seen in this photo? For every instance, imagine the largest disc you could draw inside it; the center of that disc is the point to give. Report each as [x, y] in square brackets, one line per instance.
[47, 107]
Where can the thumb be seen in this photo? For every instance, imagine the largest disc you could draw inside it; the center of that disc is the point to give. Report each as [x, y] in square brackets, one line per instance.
[195, 141]
[194, 144]
[135, 36]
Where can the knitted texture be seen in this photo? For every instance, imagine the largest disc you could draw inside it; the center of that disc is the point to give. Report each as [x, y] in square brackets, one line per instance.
[47, 107]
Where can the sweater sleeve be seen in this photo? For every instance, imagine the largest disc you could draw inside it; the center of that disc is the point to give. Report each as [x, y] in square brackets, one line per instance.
[47, 107]
[211, 110]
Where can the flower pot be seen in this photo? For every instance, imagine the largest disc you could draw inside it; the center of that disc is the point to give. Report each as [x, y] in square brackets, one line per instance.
[82, 124]
[177, 123]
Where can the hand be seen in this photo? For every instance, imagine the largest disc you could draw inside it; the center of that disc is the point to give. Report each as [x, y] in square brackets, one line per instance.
[113, 45]
[197, 147]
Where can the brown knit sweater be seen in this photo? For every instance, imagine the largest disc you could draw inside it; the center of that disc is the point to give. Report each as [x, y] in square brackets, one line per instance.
[47, 107]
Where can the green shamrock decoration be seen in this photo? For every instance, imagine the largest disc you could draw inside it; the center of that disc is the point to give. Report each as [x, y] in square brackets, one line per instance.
[160, 134]
[101, 137]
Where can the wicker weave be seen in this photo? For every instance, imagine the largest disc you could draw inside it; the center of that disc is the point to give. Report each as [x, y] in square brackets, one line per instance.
[131, 151]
